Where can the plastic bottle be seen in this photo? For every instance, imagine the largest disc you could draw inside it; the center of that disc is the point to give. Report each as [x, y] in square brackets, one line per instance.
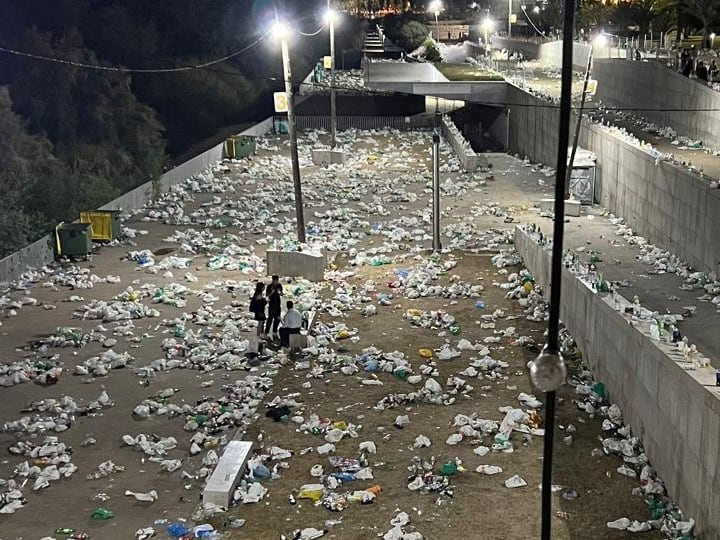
[102, 513]
[313, 492]
[176, 530]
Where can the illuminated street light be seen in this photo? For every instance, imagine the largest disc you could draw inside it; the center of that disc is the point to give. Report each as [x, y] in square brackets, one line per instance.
[282, 32]
[487, 26]
[536, 9]
[712, 39]
[331, 17]
[436, 7]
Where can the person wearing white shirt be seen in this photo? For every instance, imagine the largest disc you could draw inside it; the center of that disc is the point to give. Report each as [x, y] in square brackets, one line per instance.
[291, 324]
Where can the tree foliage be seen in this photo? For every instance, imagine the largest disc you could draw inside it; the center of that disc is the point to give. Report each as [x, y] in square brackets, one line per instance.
[406, 31]
[73, 139]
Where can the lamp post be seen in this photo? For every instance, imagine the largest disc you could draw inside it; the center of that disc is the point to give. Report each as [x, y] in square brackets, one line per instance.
[331, 16]
[283, 33]
[599, 41]
[712, 40]
[509, 18]
[548, 369]
[486, 26]
[436, 7]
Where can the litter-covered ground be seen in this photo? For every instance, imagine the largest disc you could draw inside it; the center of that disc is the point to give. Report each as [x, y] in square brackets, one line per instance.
[123, 378]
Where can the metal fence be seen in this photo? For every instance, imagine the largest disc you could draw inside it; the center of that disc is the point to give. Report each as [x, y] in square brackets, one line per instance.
[367, 122]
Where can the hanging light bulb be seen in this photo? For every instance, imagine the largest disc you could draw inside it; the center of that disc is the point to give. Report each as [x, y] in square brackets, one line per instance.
[547, 371]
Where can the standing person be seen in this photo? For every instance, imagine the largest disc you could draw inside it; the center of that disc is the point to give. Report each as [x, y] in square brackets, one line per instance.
[257, 306]
[273, 292]
[292, 322]
[702, 71]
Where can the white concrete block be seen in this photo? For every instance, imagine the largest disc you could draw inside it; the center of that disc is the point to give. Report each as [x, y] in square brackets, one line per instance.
[572, 207]
[228, 473]
[310, 265]
[327, 157]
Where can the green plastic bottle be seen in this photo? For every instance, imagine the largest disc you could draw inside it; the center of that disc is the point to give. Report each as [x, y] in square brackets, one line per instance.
[102, 513]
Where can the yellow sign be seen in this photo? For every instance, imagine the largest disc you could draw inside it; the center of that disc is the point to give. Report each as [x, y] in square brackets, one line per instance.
[592, 87]
[327, 62]
[281, 102]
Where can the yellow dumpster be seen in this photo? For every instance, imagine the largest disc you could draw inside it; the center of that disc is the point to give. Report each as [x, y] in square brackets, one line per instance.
[104, 224]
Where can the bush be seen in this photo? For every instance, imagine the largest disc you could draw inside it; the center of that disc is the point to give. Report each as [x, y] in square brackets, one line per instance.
[432, 53]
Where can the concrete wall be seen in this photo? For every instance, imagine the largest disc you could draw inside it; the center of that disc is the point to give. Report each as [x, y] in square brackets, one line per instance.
[550, 54]
[670, 206]
[41, 252]
[651, 86]
[675, 412]
[530, 49]
[35, 255]
[469, 160]
[534, 126]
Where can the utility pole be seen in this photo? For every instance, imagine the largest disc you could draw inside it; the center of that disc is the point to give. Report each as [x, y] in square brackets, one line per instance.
[436, 247]
[292, 128]
[509, 18]
[333, 103]
[597, 41]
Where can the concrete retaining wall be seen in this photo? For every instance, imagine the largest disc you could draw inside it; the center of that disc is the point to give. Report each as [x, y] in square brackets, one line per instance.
[664, 96]
[670, 206]
[40, 252]
[550, 54]
[469, 160]
[675, 412]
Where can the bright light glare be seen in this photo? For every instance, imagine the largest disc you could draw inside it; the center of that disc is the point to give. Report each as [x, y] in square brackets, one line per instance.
[600, 40]
[331, 16]
[280, 30]
[436, 6]
[487, 24]
[536, 9]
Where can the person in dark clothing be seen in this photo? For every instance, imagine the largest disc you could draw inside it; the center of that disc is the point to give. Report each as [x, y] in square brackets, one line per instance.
[702, 71]
[257, 306]
[273, 292]
[688, 67]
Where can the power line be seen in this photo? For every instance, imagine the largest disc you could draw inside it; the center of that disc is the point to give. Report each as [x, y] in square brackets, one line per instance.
[322, 27]
[120, 69]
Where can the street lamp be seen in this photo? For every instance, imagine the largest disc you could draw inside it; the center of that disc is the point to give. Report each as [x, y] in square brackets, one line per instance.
[331, 17]
[712, 39]
[536, 9]
[509, 18]
[436, 7]
[598, 41]
[487, 26]
[282, 32]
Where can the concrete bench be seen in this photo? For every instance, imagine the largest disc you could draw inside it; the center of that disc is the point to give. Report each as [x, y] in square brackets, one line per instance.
[227, 474]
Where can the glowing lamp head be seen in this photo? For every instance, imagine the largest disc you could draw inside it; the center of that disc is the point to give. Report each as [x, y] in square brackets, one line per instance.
[280, 30]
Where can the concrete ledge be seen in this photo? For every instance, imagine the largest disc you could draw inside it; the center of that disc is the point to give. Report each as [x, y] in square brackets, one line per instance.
[468, 158]
[572, 207]
[228, 473]
[310, 265]
[675, 412]
[327, 157]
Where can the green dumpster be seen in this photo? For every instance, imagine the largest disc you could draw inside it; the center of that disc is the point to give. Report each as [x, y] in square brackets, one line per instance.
[105, 224]
[73, 240]
[239, 146]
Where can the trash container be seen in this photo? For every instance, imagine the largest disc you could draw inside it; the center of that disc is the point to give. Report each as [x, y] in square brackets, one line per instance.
[105, 224]
[73, 240]
[238, 147]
